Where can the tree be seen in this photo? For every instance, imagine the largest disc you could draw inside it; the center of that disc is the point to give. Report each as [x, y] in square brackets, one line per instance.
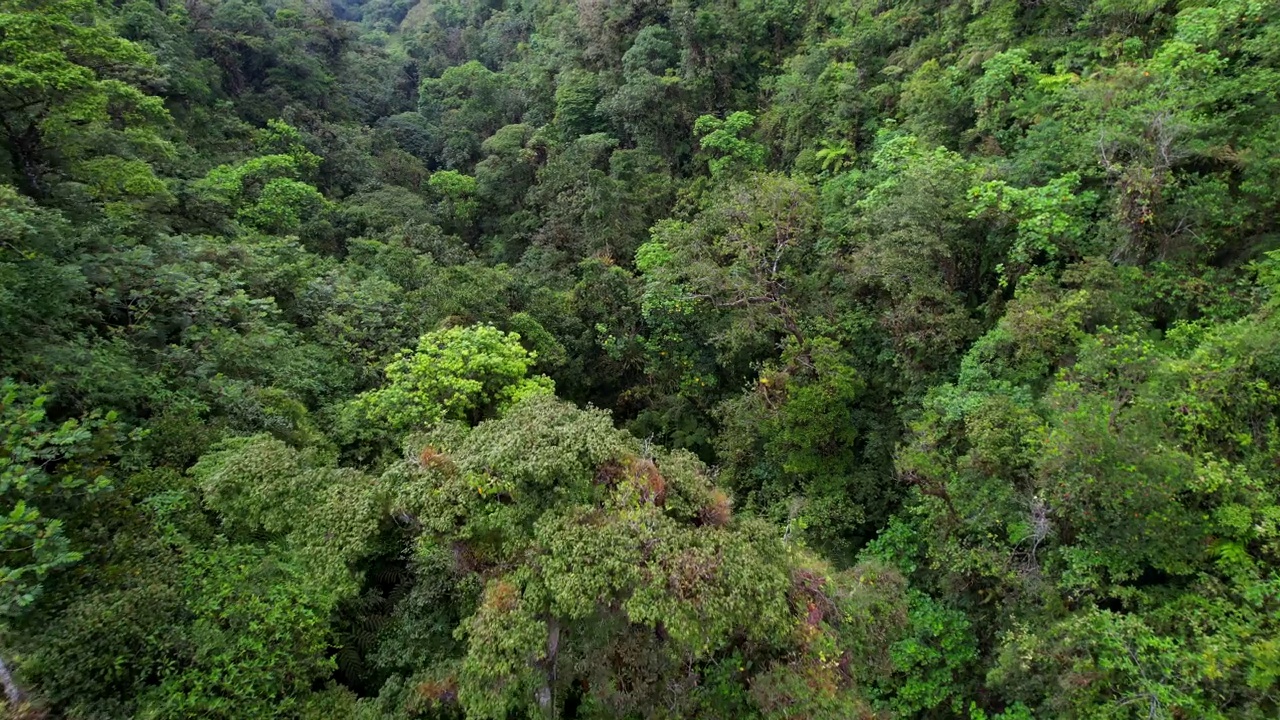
[806, 445]
[460, 373]
[916, 251]
[650, 105]
[47, 472]
[457, 205]
[724, 137]
[72, 99]
[45, 289]
[1071, 491]
[468, 103]
[268, 192]
[617, 577]
[746, 257]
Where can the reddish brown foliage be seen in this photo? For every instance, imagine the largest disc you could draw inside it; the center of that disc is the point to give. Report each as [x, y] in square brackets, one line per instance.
[642, 473]
[502, 596]
[809, 595]
[430, 458]
[433, 692]
[653, 488]
[608, 474]
[718, 510]
[438, 690]
[690, 573]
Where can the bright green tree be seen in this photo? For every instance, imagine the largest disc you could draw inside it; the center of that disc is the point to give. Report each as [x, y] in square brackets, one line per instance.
[462, 373]
[73, 108]
[269, 192]
[725, 137]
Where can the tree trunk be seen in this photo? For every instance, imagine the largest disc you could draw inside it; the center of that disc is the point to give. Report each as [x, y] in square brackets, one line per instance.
[24, 152]
[11, 690]
[546, 693]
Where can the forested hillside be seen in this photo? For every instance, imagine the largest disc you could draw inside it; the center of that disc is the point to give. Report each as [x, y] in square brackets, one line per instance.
[669, 359]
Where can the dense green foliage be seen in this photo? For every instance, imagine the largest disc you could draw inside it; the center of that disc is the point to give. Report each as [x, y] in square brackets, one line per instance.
[615, 359]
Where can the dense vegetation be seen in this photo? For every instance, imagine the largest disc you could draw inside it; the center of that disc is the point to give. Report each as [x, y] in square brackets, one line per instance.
[640, 359]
